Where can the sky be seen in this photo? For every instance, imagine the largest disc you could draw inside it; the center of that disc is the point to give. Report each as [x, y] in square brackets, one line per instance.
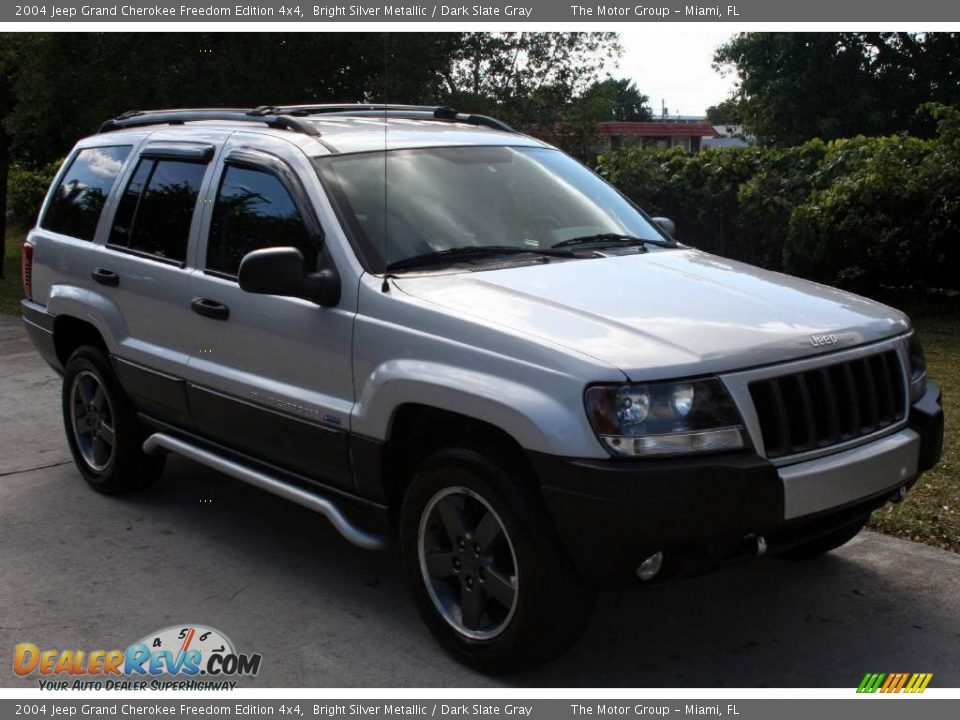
[675, 65]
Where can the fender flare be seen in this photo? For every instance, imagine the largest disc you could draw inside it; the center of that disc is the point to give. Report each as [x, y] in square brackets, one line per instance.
[536, 420]
[90, 307]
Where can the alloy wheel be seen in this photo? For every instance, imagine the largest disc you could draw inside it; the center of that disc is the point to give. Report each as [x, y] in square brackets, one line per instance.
[468, 563]
[92, 420]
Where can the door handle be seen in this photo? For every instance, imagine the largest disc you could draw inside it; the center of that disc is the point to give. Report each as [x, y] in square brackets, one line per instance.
[105, 277]
[210, 308]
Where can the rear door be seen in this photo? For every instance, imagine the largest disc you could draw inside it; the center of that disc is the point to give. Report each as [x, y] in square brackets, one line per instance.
[272, 375]
[145, 269]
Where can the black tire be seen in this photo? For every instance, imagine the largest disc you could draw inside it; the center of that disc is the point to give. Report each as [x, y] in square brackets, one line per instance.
[550, 605]
[826, 543]
[103, 432]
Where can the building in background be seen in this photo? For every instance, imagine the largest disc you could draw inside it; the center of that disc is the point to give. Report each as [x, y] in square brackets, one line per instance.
[728, 136]
[675, 131]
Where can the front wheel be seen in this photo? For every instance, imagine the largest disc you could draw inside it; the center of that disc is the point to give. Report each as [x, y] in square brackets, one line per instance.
[491, 579]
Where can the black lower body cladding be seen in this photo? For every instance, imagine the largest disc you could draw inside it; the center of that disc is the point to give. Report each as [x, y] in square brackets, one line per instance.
[926, 419]
[39, 326]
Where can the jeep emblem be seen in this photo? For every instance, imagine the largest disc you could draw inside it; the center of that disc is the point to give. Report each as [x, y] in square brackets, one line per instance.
[822, 340]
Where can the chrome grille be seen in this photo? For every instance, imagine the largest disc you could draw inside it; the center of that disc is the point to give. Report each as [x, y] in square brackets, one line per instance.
[829, 405]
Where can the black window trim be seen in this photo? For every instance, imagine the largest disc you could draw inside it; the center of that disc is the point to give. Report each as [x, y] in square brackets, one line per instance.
[273, 165]
[61, 176]
[166, 152]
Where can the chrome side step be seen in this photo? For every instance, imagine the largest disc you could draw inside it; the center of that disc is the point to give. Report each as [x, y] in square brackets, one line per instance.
[361, 538]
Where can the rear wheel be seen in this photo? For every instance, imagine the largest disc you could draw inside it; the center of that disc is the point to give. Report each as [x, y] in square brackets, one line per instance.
[826, 543]
[491, 578]
[103, 432]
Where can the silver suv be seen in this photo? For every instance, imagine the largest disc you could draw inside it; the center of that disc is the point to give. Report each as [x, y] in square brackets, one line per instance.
[433, 329]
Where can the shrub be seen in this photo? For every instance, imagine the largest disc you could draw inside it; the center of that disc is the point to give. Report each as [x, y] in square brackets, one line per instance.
[863, 213]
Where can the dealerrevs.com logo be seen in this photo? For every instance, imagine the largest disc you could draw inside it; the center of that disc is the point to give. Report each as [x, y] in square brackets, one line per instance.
[196, 656]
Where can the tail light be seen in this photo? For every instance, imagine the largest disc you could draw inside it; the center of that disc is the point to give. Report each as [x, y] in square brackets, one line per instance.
[26, 270]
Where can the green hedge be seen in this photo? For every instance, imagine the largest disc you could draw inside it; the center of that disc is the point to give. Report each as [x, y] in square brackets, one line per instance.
[26, 189]
[863, 213]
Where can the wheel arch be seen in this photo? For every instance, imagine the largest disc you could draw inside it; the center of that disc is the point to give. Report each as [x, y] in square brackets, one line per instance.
[418, 430]
[70, 332]
[83, 317]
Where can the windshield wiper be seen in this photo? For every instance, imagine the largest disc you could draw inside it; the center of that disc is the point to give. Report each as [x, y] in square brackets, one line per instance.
[604, 238]
[439, 257]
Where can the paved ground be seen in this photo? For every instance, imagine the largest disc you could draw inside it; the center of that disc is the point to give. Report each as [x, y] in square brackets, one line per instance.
[79, 570]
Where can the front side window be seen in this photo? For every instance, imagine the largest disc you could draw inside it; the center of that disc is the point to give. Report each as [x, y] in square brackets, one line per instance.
[79, 198]
[156, 209]
[406, 203]
[254, 210]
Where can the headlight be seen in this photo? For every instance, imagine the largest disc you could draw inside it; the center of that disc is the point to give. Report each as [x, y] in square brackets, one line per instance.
[665, 418]
[918, 369]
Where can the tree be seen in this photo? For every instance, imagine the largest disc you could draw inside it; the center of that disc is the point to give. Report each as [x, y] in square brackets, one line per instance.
[727, 112]
[71, 82]
[7, 78]
[613, 99]
[796, 86]
[526, 77]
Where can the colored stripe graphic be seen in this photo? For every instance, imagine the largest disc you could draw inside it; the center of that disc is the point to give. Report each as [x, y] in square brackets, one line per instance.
[894, 682]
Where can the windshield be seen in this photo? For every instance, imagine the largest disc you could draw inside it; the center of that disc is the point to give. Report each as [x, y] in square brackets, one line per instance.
[402, 204]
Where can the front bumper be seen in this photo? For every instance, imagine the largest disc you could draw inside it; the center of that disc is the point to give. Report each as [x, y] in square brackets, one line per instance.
[702, 511]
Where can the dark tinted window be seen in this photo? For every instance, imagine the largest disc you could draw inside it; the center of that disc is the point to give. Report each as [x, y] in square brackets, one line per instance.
[156, 209]
[253, 211]
[79, 198]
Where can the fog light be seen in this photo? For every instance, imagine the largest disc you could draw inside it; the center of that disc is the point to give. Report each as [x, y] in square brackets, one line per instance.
[648, 569]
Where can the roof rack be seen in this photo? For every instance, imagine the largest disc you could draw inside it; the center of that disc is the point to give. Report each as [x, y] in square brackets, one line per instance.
[141, 118]
[289, 117]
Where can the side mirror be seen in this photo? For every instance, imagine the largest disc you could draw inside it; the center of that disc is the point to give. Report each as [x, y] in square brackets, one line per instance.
[282, 271]
[667, 225]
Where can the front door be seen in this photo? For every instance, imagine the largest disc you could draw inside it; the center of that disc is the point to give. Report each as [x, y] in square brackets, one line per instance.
[271, 376]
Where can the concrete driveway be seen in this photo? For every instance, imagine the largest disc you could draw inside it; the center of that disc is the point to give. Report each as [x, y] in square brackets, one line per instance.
[80, 570]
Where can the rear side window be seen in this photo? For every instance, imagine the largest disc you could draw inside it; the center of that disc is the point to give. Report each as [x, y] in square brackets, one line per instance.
[254, 210]
[156, 209]
[79, 198]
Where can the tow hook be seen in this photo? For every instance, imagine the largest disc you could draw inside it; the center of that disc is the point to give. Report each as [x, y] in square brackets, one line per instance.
[755, 545]
[899, 495]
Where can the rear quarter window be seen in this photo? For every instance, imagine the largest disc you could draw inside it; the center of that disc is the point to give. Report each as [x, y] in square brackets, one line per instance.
[83, 190]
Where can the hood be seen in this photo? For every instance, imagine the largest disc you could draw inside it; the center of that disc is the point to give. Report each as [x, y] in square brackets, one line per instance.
[665, 313]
